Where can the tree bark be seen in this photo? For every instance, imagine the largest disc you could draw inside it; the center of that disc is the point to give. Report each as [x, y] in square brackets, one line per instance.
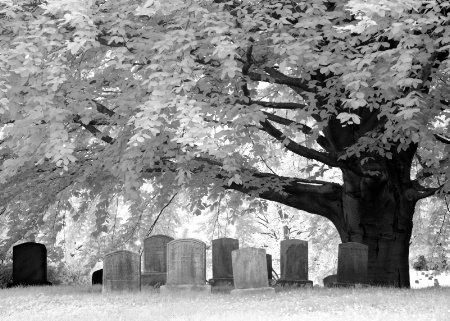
[379, 213]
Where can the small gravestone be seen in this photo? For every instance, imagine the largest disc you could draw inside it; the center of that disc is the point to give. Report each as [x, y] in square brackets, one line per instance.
[222, 266]
[155, 260]
[122, 271]
[269, 266]
[436, 283]
[97, 277]
[294, 264]
[29, 264]
[250, 272]
[352, 264]
[186, 267]
[330, 281]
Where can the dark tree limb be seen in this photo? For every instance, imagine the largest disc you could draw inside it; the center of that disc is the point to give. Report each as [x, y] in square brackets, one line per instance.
[275, 76]
[321, 140]
[92, 129]
[274, 105]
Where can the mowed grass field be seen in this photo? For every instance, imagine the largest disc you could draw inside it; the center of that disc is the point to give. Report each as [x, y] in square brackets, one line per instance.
[88, 303]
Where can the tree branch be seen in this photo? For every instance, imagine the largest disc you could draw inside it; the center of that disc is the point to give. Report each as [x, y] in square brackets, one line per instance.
[94, 130]
[321, 140]
[277, 77]
[292, 146]
[274, 105]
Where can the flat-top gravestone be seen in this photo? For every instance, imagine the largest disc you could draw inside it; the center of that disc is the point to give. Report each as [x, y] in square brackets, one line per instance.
[352, 264]
[250, 272]
[186, 267]
[97, 277]
[294, 263]
[330, 281]
[122, 271]
[155, 260]
[29, 264]
[222, 266]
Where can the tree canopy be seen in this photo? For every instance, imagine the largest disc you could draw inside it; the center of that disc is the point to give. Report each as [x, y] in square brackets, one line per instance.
[102, 96]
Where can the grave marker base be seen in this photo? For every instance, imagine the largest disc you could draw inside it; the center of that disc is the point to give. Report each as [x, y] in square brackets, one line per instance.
[221, 285]
[295, 283]
[350, 285]
[153, 278]
[118, 285]
[13, 284]
[253, 291]
[171, 289]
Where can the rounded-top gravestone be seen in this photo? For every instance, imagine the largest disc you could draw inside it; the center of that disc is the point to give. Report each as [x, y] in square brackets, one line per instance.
[121, 271]
[250, 272]
[352, 263]
[155, 260]
[155, 253]
[29, 264]
[186, 266]
[294, 264]
[97, 277]
[222, 265]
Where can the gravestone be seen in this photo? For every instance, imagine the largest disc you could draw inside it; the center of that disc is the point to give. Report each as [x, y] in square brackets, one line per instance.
[29, 264]
[222, 266]
[250, 272]
[155, 260]
[294, 264]
[269, 266]
[97, 277]
[330, 281]
[352, 264]
[186, 267]
[121, 271]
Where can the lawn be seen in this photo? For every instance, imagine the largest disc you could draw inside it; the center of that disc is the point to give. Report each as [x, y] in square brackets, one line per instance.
[88, 303]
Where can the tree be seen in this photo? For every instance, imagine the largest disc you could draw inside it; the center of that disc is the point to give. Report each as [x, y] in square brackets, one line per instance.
[207, 94]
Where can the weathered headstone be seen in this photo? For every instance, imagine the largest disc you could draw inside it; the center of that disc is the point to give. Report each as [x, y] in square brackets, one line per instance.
[250, 272]
[222, 266]
[269, 266]
[29, 264]
[97, 277]
[121, 271]
[330, 281]
[294, 264]
[155, 260]
[186, 267]
[352, 263]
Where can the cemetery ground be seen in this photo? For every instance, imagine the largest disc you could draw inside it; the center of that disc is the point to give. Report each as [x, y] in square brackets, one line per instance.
[88, 303]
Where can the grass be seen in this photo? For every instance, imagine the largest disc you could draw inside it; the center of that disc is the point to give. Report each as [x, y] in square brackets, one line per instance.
[88, 303]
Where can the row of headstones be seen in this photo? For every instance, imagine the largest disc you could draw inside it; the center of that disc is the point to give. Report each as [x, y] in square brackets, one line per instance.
[248, 269]
[186, 264]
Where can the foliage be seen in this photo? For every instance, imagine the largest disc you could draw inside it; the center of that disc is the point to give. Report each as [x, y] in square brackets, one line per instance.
[5, 275]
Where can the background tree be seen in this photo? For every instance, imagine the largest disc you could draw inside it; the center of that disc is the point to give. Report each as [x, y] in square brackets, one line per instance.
[204, 94]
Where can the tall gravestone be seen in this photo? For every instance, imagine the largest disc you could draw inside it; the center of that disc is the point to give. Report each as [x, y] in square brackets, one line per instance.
[222, 266]
[121, 271]
[97, 277]
[155, 260]
[269, 266]
[294, 263]
[250, 272]
[352, 264]
[186, 267]
[29, 264]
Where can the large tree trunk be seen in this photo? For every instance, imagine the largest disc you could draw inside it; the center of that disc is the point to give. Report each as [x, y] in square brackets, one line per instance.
[379, 213]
